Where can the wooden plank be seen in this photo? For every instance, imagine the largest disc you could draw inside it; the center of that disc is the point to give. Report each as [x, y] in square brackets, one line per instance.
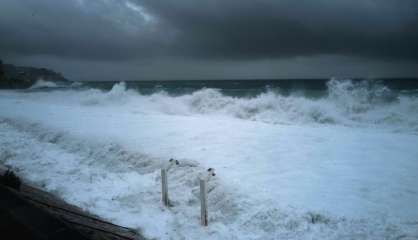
[164, 187]
[203, 203]
[89, 225]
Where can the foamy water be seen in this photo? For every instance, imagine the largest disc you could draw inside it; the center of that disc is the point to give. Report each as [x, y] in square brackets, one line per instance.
[357, 104]
[289, 166]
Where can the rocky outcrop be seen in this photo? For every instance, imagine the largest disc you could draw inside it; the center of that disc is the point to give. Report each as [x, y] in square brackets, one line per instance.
[2, 75]
[13, 77]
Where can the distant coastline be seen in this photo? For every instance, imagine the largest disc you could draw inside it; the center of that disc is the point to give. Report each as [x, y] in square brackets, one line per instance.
[19, 77]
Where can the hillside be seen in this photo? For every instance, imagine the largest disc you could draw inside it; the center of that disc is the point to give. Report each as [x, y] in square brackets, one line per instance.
[14, 77]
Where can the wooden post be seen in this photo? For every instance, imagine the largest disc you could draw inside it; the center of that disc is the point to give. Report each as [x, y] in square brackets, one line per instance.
[203, 203]
[164, 187]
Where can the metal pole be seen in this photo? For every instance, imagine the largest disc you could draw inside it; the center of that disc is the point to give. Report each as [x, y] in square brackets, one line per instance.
[203, 203]
[164, 187]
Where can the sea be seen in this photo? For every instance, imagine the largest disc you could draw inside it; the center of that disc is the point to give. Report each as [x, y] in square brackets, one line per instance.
[294, 159]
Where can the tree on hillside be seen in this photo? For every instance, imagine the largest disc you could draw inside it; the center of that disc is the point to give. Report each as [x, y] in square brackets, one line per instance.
[1, 70]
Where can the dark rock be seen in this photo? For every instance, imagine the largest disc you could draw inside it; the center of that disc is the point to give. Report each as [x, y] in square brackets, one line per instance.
[11, 180]
[14, 77]
[2, 75]
[1, 69]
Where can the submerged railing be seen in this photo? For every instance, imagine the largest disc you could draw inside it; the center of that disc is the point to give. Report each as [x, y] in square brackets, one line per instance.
[203, 180]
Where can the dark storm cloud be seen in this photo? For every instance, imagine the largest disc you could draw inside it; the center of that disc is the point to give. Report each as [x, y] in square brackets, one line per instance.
[76, 29]
[210, 29]
[271, 29]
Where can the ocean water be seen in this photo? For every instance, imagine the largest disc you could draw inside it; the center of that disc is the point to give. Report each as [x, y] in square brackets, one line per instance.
[296, 159]
[369, 103]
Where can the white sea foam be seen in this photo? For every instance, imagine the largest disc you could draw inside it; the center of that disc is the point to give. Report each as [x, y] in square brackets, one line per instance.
[357, 104]
[43, 84]
[288, 167]
[122, 185]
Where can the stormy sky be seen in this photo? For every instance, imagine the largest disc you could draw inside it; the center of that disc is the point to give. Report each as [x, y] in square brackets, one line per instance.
[212, 39]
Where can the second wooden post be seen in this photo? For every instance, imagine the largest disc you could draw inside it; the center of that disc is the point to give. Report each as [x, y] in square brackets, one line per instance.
[203, 203]
[164, 187]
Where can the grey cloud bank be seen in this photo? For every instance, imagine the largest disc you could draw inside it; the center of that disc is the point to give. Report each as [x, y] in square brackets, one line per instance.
[108, 39]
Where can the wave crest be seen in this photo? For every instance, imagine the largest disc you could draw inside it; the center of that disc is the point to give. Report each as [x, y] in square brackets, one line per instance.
[360, 96]
[43, 84]
[118, 94]
[346, 102]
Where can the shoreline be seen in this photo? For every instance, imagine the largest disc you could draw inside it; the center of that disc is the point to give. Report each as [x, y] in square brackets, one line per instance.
[52, 211]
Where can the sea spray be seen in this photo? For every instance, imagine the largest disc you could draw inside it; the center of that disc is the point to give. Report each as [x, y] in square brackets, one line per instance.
[346, 102]
[311, 178]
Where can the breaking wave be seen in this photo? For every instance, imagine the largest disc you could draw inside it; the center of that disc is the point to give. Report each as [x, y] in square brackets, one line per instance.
[346, 102]
[43, 84]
